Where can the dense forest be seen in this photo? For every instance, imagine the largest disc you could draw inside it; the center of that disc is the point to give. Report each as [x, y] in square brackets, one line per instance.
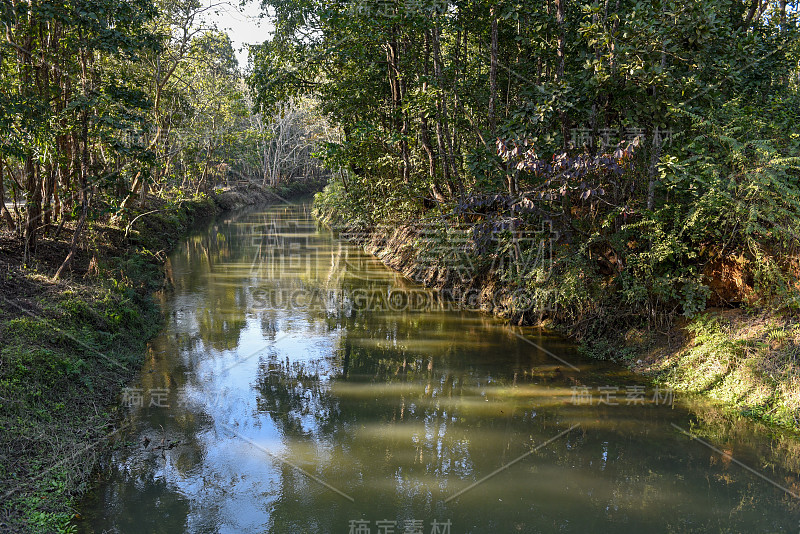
[626, 172]
[657, 140]
[105, 102]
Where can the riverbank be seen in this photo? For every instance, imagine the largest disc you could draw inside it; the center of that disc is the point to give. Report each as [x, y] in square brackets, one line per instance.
[748, 361]
[69, 346]
[745, 359]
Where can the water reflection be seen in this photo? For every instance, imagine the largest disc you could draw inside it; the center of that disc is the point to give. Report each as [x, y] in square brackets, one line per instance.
[292, 391]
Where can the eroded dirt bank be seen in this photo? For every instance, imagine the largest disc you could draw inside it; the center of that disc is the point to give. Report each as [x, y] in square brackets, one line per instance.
[746, 361]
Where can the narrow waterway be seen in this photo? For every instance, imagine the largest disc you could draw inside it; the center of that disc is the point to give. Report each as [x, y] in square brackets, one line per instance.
[301, 386]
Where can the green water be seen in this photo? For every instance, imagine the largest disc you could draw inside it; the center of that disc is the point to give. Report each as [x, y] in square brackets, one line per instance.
[300, 386]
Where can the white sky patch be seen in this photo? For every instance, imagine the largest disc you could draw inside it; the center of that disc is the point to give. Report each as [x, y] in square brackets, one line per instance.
[241, 23]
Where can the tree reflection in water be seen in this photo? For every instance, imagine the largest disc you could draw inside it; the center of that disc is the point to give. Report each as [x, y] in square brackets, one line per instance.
[399, 409]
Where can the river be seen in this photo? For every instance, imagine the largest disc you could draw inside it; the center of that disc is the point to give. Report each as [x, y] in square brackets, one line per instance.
[299, 385]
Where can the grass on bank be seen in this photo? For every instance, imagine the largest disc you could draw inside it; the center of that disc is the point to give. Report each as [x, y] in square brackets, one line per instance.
[747, 362]
[68, 347]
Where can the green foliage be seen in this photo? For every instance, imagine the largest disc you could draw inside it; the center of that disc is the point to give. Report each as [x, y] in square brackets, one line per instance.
[62, 368]
[632, 247]
[333, 207]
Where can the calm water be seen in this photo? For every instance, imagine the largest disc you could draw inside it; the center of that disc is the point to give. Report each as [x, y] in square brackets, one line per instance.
[288, 393]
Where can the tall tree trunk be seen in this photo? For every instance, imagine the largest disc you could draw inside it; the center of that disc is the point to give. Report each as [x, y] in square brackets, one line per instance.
[83, 191]
[48, 187]
[33, 202]
[398, 120]
[425, 129]
[6, 214]
[441, 111]
[404, 129]
[33, 190]
[493, 74]
[560, 67]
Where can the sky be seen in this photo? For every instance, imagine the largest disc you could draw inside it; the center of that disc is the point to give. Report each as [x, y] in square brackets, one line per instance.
[241, 23]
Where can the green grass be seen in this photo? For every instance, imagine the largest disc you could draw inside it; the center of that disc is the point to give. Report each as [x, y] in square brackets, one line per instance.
[60, 370]
[63, 363]
[746, 363]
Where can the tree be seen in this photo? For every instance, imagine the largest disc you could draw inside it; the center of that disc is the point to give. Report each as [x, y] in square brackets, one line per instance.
[57, 56]
[423, 92]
